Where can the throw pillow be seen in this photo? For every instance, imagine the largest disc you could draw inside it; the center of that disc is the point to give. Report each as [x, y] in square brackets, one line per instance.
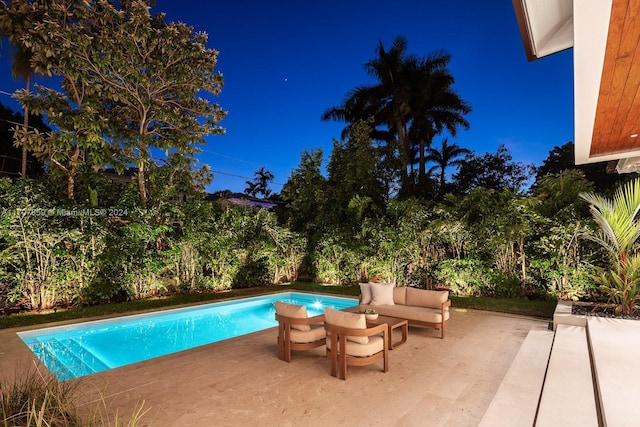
[382, 294]
[295, 311]
[365, 293]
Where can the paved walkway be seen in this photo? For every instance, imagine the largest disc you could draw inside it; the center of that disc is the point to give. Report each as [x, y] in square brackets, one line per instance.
[431, 382]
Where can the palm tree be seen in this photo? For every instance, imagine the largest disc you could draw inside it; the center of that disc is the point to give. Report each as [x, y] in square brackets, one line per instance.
[15, 20]
[435, 106]
[448, 155]
[618, 235]
[260, 183]
[412, 100]
[387, 101]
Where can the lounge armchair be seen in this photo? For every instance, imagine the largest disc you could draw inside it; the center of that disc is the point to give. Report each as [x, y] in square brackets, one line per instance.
[296, 331]
[351, 343]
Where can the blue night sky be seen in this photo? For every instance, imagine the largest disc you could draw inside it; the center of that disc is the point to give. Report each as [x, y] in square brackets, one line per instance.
[286, 62]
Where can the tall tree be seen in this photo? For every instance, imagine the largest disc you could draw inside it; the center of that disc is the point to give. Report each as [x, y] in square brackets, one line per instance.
[561, 158]
[448, 155]
[496, 171]
[141, 78]
[10, 155]
[15, 20]
[435, 105]
[305, 192]
[411, 99]
[75, 112]
[353, 172]
[386, 101]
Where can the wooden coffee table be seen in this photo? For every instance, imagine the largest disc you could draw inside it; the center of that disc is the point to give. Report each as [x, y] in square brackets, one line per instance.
[392, 323]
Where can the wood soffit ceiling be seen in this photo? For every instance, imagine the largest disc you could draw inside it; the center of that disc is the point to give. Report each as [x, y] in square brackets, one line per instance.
[618, 107]
[605, 36]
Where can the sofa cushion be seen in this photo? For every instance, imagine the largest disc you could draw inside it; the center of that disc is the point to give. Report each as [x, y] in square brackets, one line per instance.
[375, 345]
[315, 334]
[400, 295]
[409, 312]
[382, 294]
[365, 293]
[347, 320]
[295, 311]
[426, 298]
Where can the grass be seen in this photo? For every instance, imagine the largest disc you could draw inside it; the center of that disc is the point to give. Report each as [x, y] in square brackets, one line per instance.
[32, 398]
[534, 308]
[542, 309]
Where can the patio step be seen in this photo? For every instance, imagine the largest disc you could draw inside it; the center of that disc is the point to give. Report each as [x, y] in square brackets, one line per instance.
[568, 397]
[516, 400]
[615, 346]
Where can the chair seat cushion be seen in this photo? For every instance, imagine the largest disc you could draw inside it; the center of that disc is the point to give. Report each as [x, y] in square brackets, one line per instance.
[315, 334]
[354, 349]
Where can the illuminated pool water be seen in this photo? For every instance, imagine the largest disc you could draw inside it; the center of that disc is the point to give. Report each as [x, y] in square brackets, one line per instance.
[81, 349]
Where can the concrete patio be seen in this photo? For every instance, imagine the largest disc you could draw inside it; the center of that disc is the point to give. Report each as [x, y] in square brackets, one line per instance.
[431, 382]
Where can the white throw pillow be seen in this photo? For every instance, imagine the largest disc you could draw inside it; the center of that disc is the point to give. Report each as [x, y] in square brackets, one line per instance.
[365, 292]
[382, 294]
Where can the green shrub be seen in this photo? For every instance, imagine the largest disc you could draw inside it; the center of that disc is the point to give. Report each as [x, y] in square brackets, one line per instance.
[253, 273]
[562, 282]
[504, 285]
[465, 277]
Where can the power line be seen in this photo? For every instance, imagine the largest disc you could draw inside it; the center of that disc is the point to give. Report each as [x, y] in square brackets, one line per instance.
[230, 174]
[230, 157]
[202, 150]
[237, 159]
[241, 176]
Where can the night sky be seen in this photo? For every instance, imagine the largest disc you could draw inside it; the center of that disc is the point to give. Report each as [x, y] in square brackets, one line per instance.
[286, 62]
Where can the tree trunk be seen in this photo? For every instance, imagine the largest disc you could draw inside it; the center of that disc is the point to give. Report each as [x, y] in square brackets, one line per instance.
[72, 172]
[421, 162]
[142, 186]
[405, 156]
[23, 170]
[523, 262]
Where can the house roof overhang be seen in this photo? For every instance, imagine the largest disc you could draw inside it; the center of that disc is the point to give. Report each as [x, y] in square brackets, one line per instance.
[605, 36]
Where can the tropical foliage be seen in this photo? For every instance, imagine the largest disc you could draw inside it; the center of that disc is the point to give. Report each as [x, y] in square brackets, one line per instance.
[618, 234]
[134, 84]
[384, 205]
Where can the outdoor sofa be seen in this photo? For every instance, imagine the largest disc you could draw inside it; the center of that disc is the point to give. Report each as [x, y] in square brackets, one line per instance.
[418, 306]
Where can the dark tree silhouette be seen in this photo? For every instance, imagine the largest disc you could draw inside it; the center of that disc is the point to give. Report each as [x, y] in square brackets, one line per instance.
[260, 183]
[411, 102]
[448, 155]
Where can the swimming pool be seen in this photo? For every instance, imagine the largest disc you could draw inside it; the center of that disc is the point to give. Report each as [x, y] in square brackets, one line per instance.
[81, 349]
